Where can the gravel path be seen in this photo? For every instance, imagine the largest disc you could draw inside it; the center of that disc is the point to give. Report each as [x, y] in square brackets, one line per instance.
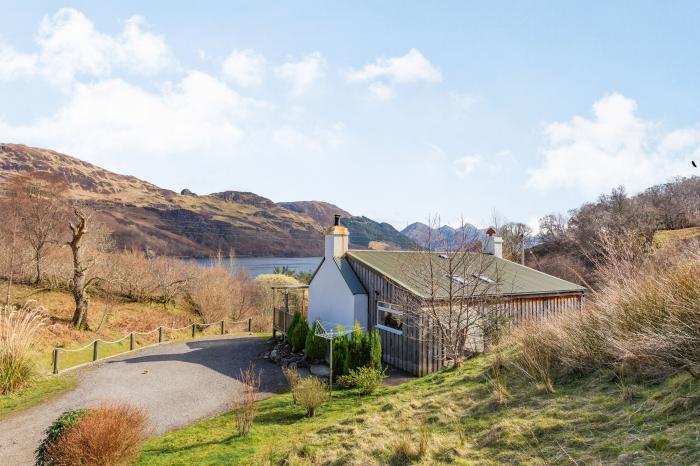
[176, 384]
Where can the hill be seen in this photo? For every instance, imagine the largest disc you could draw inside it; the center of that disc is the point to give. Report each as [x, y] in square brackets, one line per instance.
[454, 414]
[363, 230]
[420, 233]
[142, 215]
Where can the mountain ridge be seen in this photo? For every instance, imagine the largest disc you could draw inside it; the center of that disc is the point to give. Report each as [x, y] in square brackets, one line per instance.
[141, 215]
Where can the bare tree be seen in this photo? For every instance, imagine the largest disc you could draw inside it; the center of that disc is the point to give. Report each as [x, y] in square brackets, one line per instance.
[12, 207]
[86, 245]
[42, 215]
[515, 239]
[460, 293]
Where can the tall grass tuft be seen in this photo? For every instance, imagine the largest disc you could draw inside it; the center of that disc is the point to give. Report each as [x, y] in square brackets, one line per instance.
[645, 317]
[245, 407]
[18, 329]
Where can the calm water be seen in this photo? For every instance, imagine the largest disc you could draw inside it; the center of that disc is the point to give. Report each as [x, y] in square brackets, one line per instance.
[259, 265]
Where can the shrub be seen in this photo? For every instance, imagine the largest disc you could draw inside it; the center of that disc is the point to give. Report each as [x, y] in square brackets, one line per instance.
[646, 317]
[315, 347]
[55, 431]
[365, 379]
[245, 408]
[375, 349]
[310, 393]
[296, 319]
[110, 433]
[359, 347]
[296, 335]
[18, 329]
[341, 354]
[292, 376]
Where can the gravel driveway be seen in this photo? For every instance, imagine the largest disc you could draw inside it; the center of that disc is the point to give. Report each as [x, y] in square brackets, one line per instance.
[176, 384]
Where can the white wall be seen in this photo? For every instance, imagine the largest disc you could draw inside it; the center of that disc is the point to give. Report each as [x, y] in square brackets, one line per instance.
[330, 299]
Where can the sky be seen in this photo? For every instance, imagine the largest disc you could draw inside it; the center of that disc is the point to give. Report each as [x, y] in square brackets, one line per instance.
[394, 110]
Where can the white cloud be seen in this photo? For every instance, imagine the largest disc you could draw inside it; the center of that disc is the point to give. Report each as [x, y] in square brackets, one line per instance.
[314, 142]
[467, 164]
[385, 72]
[113, 119]
[463, 102]
[614, 147]
[15, 65]
[69, 45]
[409, 68]
[302, 74]
[244, 67]
[381, 91]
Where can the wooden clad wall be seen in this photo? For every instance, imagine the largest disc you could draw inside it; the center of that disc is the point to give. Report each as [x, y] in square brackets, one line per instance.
[419, 349]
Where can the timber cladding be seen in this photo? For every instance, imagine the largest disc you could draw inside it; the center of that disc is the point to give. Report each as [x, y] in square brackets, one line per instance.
[418, 349]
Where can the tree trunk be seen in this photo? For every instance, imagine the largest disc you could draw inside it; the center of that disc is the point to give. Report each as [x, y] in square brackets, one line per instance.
[37, 259]
[79, 288]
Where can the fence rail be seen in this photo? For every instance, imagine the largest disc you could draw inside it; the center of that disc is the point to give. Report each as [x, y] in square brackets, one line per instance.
[95, 344]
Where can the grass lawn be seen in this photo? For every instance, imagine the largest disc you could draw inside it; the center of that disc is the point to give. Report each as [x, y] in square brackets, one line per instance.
[455, 416]
[45, 388]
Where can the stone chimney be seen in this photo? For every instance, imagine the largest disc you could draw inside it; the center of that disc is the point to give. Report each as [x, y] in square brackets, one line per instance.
[494, 244]
[337, 239]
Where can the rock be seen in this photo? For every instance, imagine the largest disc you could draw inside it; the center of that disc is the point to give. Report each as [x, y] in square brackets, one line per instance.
[187, 192]
[274, 355]
[320, 370]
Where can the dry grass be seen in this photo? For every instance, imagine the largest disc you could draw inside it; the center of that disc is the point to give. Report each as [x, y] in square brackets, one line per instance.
[646, 317]
[18, 331]
[110, 434]
[245, 408]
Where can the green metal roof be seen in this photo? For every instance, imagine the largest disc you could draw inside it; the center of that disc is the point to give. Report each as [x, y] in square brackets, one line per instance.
[349, 276]
[410, 270]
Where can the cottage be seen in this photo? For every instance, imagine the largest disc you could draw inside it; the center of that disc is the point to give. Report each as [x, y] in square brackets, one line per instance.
[370, 287]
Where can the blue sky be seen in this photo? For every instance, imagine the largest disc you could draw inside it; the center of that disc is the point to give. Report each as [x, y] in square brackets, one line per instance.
[392, 110]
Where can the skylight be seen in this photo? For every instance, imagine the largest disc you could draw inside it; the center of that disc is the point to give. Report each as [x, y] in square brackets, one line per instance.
[483, 278]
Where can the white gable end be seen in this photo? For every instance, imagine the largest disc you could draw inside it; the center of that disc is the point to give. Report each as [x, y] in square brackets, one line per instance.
[331, 300]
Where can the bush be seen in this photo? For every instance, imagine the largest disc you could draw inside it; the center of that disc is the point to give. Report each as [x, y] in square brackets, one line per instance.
[245, 408]
[375, 349]
[18, 328]
[341, 354]
[55, 431]
[315, 347]
[296, 335]
[310, 393]
[359, 347]
[110, 433]
[365, 379]
[292, 376]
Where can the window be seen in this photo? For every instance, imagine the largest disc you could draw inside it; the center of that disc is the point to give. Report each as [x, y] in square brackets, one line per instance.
[389, 317]
[483, 278]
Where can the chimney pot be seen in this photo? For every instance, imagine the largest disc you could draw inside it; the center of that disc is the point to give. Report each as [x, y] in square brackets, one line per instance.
[337, 219]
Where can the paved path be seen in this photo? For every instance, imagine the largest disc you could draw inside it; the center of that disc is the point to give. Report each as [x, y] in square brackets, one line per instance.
[184, 382]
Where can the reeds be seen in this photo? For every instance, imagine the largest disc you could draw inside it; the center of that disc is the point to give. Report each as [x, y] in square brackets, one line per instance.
[18, 329]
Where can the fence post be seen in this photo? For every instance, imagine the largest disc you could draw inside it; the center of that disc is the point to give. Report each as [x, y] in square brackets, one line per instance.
[160, 334]
[193, 329]
[94, 350]
[250, 325]
[55, 360]
[131, 341]
[222, 327]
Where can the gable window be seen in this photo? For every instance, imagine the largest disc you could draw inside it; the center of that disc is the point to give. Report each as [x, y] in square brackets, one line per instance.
[389, 317]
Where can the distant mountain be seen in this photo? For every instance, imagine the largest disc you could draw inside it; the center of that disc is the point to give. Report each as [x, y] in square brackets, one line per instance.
[364, 232]
[140, 214]
[421, 233]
